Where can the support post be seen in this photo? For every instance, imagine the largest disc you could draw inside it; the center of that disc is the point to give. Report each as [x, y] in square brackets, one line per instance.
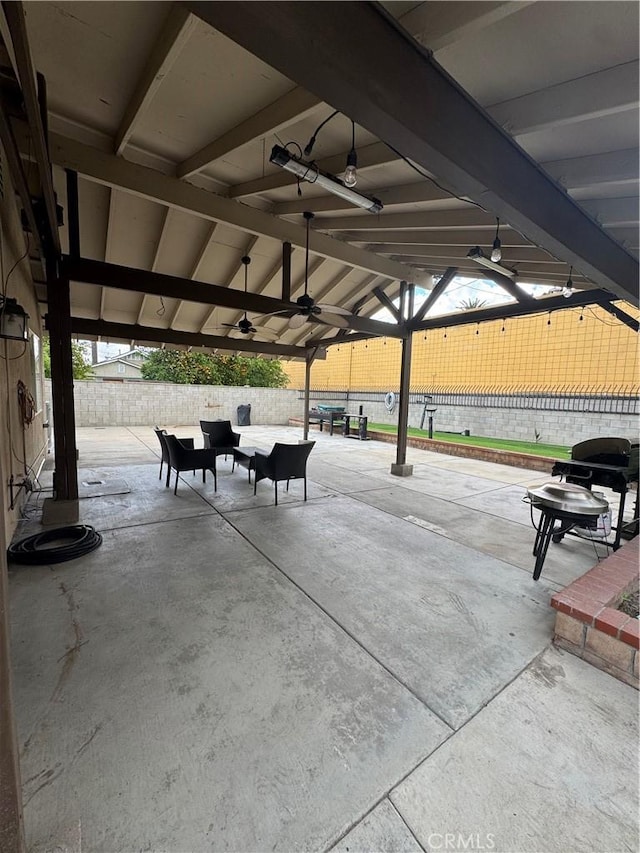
[400, 467]
[307, 385]
[64, 506]
[286, 272]
[73, 213]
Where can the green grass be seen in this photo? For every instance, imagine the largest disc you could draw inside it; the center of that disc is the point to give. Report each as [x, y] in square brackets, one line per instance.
[535, 448]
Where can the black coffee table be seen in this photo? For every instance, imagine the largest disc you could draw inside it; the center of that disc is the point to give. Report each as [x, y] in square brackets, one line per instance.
[246, 457]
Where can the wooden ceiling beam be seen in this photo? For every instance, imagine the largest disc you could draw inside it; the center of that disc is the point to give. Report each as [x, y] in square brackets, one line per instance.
[423, 191]
[433, 122]
[88, 271]
[369, 156]
[468, 218]
[16, 21]
[174, 35]
[147, 335]
[512, 309]
[295, 105]
[148, 183]
[602, 93]
[438, 25]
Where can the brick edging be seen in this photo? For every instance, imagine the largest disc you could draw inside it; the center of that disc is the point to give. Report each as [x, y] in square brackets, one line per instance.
[468, 451]
[591, 599]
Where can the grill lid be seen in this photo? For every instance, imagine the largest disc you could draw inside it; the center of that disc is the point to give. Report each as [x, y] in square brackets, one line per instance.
[567, 498]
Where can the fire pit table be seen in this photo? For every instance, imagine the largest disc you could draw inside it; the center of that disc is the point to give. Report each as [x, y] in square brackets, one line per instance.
[572, 506]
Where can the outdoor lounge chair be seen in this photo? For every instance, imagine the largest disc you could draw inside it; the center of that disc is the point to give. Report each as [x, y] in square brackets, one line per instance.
[182, 458]
[219, 436]
[161, 433]
[285, 462]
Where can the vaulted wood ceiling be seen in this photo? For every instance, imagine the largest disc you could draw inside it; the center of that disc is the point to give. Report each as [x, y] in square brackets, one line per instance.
[169, 120]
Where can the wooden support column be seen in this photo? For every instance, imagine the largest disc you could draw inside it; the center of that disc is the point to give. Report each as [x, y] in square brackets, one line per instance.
[73, 213]
[400, 467]
[64, 429]
[286, 272]
[307, 386]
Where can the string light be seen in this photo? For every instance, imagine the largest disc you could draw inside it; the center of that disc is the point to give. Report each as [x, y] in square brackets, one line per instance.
[567, 290]
[496, 253]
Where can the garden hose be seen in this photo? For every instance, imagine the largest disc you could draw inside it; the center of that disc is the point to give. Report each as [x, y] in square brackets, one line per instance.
[80, 539]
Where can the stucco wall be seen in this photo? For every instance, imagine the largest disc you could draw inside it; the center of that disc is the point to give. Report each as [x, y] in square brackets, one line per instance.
[21, 447]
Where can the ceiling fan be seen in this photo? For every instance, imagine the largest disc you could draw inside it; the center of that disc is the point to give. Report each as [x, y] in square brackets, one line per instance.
[244, 327]
[332, 315]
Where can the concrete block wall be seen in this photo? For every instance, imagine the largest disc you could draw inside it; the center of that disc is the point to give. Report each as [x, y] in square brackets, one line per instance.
[554, 427]
[143, 403]
[148, 403]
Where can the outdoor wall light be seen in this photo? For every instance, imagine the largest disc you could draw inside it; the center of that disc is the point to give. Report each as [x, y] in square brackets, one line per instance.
[476, 254]
[311, 173]
[13, 320]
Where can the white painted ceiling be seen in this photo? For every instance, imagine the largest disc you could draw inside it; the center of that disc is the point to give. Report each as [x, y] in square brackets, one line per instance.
[528, 64]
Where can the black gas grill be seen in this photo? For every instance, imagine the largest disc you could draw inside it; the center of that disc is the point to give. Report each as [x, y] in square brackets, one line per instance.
[608, 462]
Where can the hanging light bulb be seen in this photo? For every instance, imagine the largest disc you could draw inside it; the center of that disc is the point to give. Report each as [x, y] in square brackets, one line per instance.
[350, 173]
[496, 253]
[567, 290]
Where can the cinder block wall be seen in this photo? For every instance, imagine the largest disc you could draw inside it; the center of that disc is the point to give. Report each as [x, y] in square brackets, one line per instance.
[148, 403]
[143, 403]
[565, 428]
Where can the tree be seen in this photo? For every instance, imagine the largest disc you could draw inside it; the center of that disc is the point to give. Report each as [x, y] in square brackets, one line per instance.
[196, 368]
[471, 303]
[81, 369]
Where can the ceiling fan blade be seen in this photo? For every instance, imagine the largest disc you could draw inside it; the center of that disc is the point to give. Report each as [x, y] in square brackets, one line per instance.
[229, 325]
[267, 334]
[333, 309]
[298, 321]
[330, 319]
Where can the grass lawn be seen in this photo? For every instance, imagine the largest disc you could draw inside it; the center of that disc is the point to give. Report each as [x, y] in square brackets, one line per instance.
[534, 448]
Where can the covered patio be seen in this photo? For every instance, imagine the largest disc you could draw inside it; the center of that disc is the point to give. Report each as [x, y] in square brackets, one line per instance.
[370, 670]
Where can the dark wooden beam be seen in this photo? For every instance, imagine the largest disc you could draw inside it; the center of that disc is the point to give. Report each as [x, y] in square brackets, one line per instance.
[17, 173]
[158, 284]
[147, 334]
[436, 293]
[286, 271]
[73, 213]
[15, 15]
[388, 304]
[433, 121]
[58, 321]
[513, 309]
[406, 307]
[373, 328]
[508, 285]
[621, 315]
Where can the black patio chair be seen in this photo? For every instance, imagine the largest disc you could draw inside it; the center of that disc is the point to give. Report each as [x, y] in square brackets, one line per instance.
[219, 436]
[285, 462]
[182, 458]
[161, 433]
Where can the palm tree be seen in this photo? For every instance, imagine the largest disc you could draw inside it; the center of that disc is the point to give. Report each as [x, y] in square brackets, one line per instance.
[471, 303]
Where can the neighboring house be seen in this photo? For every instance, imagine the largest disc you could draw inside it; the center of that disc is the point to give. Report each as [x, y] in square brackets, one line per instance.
[127, 365]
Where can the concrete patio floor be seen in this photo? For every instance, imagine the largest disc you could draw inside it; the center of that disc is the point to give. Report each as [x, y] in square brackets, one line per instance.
[369, 670]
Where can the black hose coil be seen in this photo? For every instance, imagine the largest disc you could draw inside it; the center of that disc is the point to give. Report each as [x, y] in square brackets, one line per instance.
[33, 551]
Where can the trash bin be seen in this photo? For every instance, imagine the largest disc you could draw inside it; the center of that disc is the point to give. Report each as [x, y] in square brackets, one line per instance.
[244, 415]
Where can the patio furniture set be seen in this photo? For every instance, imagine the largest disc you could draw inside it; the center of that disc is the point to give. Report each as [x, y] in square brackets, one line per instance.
[337, 415]
[284, 462]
